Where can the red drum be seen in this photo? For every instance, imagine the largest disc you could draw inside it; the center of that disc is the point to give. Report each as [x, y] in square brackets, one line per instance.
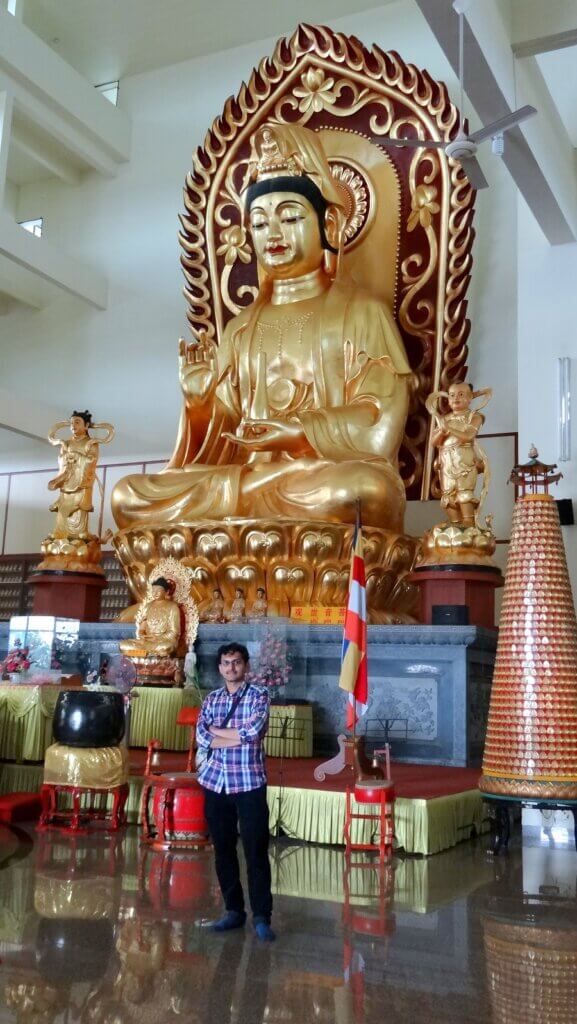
[178, 812]
[177, 882]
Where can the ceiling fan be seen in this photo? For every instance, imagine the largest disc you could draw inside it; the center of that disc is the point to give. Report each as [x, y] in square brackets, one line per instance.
[464, 147]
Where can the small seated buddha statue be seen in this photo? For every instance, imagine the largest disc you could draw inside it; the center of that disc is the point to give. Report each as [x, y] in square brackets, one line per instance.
[214, 611]
[259, 607]
[237, 610]
[158, 625]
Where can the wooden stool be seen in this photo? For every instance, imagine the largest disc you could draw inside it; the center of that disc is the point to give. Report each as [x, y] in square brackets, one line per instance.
[77, 819]
[189, 716]
[178, 820]
[379, 792]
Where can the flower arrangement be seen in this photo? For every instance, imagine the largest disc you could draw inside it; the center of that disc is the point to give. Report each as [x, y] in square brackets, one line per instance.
[17, 660]
[272, 667]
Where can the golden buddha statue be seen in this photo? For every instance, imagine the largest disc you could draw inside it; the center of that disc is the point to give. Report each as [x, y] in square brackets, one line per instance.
[461, 461]
[166, 627]
[214, 611]
[236, 612]
[259, 607]
[71, 545]
[158, 624]
[301, 409]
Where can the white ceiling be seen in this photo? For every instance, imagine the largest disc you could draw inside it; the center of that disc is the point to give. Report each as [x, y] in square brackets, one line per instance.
[106, 40]
[559, 69]
[16, 450]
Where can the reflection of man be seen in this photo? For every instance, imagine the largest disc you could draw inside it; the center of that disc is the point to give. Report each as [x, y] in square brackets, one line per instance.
[231, 730]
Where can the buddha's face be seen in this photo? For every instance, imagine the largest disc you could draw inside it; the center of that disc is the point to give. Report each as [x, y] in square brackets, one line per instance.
[460, 396]
[286, 234]
[159, 594]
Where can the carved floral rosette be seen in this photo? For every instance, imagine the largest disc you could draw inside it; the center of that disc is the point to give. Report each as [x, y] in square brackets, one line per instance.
[353, 96]
[296, 563]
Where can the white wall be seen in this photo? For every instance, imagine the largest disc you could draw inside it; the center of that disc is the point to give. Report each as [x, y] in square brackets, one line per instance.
[121, 362]
[547, 287]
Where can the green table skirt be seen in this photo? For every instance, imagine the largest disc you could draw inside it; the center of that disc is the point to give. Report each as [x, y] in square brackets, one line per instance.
[26, 714]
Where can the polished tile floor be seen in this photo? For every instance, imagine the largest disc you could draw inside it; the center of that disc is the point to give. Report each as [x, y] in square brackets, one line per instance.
[100, 932]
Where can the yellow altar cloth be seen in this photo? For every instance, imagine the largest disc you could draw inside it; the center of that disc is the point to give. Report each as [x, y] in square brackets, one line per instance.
[26, 714]
[88, 767]
[290, 732]
[26, 721]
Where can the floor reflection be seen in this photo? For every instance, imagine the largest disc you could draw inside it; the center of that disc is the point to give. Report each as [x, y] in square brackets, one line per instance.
[95, 931]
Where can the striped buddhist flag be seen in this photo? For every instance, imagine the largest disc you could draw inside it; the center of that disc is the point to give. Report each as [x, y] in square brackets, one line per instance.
[354, 677]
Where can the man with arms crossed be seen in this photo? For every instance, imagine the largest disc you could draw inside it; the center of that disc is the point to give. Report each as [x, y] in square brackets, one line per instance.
[229, 735]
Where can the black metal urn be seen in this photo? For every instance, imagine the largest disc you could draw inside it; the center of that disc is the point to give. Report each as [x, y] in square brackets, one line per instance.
[87, 718]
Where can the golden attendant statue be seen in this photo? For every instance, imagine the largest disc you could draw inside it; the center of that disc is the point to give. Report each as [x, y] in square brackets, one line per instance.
[71, 546]
[460, 462]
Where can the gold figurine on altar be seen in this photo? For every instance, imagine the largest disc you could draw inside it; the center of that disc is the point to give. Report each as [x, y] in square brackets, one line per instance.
[461, 461]
[71, 546]
[166, 627]
[259, 607]
[214, 610]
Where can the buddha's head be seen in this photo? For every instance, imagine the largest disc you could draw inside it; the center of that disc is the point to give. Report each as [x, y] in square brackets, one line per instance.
[294, 210]
[460, 396]
[162, 589]
[80, 422]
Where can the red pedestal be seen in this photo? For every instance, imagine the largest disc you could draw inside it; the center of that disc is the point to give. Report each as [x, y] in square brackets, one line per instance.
[470, 585]
[70, 595]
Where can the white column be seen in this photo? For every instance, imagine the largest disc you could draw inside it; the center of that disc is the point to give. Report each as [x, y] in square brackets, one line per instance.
[6, 105]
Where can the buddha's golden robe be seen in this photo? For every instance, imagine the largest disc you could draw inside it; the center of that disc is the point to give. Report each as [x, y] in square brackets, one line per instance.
[336, 364]
[158, 632]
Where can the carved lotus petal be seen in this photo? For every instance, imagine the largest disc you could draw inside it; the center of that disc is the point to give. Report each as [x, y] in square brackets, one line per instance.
[380, 584]
[214, 545]
[265, 544]
[143, 546]
[373, 545]
[319, 545]
[240, 573]
[294, 580]
[331, 585]
[172, 545]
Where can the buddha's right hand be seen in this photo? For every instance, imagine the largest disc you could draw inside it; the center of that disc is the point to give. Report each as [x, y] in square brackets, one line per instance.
[197, 369]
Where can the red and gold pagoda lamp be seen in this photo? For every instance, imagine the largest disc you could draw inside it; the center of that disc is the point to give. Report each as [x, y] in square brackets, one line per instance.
[531, 743]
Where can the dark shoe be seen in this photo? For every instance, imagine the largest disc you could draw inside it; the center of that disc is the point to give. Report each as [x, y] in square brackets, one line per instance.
[264, 931]
[232, 919]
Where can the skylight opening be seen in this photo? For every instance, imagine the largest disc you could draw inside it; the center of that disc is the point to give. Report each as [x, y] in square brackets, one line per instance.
[33, 226]
[110, 92]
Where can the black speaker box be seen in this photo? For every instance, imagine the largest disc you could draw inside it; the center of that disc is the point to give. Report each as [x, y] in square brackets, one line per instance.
[565, 510]
[450, 615]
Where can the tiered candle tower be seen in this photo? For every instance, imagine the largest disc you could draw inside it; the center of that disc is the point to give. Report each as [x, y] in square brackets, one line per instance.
[531, 743]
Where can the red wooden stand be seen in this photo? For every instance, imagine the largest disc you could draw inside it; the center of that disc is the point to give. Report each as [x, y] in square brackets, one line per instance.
[470, 585]
[372, 791]
[69, 595]
[77, 819]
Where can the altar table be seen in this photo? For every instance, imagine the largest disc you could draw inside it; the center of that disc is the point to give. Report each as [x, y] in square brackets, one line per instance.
[26, 714]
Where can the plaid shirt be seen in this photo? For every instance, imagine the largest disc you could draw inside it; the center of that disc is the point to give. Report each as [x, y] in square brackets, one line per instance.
[234, 769]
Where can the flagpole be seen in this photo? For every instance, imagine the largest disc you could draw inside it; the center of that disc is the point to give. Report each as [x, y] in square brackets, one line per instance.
[358, 526]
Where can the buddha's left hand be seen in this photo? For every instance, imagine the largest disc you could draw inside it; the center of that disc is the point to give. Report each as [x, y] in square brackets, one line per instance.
[270, 435]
